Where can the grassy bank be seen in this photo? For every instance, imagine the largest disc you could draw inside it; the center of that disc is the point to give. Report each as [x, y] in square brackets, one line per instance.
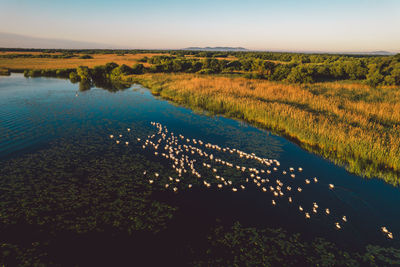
[349, 123]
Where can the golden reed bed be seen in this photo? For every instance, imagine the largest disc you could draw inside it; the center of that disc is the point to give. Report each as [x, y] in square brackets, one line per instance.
[350, 123]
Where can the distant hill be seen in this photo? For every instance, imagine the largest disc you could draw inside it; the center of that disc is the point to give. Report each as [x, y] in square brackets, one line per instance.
[217, 48]
[383, 53]
[10, 40]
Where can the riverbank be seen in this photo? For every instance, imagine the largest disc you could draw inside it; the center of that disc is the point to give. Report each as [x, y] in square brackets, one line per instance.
[349, 122]
[352, 124]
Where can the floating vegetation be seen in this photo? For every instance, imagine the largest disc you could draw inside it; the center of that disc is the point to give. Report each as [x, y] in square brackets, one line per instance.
[210, 165]
[89, 195]
[276, 247]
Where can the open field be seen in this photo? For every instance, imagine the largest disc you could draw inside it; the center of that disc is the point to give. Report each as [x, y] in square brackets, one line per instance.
[350, 123]
[58, 63]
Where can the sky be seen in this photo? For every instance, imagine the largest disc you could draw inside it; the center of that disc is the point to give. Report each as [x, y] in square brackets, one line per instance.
[278, 25]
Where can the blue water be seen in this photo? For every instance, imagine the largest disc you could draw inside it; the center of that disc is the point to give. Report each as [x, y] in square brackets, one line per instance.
[35, 112]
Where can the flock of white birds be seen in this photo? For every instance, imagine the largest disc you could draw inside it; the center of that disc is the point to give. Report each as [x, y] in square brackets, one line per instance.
[181, 151]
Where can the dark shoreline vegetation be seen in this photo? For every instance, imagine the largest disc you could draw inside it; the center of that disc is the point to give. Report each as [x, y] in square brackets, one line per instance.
[353, 124]
[58, 210]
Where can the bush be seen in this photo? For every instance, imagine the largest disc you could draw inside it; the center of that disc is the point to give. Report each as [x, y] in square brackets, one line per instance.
[85, 57]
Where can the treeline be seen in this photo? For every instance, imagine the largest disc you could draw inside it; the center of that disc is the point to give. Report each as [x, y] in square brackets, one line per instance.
[64, 55]
[288, 67]
[105, 76]
[110, 71]
[301, 69]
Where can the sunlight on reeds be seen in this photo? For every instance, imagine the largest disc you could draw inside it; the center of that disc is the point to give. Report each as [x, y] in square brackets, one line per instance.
[350, 123]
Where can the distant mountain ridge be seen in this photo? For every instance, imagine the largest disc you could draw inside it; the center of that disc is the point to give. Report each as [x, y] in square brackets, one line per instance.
[217, 48]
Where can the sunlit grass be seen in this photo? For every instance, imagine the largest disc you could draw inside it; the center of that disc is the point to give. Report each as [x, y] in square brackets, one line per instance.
[62, 63]
[350, 123]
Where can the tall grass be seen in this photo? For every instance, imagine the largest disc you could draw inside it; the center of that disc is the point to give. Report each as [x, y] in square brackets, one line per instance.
[350, 123]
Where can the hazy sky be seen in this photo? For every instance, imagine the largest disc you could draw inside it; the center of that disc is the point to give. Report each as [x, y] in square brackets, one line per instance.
[295, 25]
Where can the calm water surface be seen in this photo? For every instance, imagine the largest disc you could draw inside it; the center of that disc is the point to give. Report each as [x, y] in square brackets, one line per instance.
[35, 112]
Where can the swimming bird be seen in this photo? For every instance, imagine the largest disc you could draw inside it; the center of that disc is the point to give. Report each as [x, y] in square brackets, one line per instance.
[344, 218]
[307, 215]
[331, 186]
[111, 136]
[273, 202]
[338, 226]
[300, 208]
[327, 211]
[314, 210]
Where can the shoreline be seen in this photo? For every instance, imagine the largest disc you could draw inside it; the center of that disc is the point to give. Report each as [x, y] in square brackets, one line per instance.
[321, 118]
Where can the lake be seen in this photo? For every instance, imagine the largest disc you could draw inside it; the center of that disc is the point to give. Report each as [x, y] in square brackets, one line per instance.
[35, 113]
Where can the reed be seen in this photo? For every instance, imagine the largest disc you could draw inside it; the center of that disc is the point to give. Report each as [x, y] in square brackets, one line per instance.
[349, 123]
